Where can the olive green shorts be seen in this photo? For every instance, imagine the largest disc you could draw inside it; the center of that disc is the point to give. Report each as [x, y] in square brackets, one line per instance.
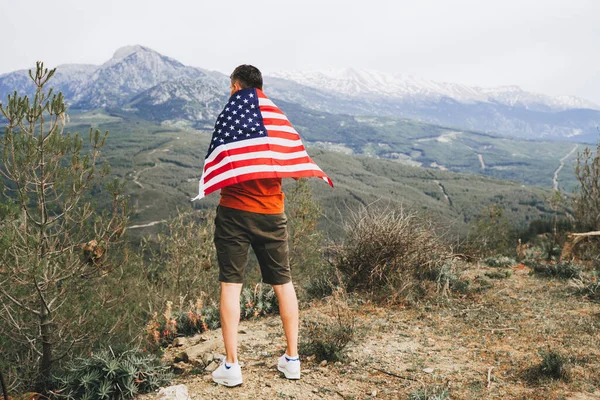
[237, 230]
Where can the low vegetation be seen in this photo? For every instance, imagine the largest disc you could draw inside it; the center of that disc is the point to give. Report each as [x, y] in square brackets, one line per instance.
[553, 366]
[387, 251]
[499, 262]
[560, 270]
[327, 338]
[110, 375]
[430, 393]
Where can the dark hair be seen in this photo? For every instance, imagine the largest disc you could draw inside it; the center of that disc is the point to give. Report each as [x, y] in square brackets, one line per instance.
[248, 76]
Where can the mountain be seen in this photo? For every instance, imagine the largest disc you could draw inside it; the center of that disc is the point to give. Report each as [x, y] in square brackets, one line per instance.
[131, 70]
[362, 83]
[160, 88]
[185, 99]
[505, 110]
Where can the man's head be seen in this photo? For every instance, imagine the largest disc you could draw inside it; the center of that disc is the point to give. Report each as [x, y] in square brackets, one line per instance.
[246, 76]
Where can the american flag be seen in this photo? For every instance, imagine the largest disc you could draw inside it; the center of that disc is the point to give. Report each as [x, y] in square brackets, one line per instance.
[253, 139]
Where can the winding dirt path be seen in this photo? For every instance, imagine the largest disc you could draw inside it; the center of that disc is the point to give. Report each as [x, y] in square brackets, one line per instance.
[443, 189]
[149, 224]
[481, 161]
[562, 164]
[137, 175]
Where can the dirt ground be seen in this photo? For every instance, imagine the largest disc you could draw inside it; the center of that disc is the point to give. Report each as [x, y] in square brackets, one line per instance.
[455, 343]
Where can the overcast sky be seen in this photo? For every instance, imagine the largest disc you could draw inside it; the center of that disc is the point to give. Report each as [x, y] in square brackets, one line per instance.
[548, 46]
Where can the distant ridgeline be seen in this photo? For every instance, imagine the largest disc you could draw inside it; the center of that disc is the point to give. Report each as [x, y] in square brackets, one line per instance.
[350, 112]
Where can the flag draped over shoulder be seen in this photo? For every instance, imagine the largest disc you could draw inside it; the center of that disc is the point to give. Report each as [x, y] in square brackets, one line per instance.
[253, 139]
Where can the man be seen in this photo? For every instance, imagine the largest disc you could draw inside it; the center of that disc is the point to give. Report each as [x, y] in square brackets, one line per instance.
[251, 214]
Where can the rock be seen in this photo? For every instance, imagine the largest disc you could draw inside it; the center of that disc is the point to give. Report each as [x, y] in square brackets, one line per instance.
[428, 370]
[374, 393]
[194, 354]
[178, 392]
[207, 358]
[315, 390]
[180, 367]
[207, 378]
[181, 357]
[242, 332]
[268, 384]
[323, 363]
[211, 367]
[197, 338]
[180, 341]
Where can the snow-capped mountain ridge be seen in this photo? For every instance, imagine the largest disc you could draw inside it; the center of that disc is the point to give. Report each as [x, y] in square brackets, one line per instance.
[140, 80]
[360, 82]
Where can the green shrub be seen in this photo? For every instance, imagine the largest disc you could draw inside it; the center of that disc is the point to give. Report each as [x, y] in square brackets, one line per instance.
[553, 366]
[258, 302]
[499, 262]
[588, 287]
[322, 284]
[461, 286]
[197, 318]
[498, 274]
[430, 393]
[328, 338]
[106, 375]
[561, 270]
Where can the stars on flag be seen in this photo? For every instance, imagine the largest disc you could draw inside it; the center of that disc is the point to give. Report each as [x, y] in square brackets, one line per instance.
[239, 121]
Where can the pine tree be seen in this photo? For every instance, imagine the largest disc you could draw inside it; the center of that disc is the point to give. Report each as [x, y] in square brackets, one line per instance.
[58, 244]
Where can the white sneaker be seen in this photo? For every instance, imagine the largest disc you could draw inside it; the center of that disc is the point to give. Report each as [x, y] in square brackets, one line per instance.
[289, 366]
[228, 374]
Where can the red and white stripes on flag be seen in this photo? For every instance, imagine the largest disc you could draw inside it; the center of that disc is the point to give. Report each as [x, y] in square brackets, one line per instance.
[253, 139]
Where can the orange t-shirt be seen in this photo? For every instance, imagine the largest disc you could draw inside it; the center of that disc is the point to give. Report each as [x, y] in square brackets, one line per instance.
[262, 196]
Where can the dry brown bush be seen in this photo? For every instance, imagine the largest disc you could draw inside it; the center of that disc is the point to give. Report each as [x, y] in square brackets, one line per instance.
[388, 251]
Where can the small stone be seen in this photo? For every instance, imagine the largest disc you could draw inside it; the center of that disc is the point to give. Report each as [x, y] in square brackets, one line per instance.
[323, 363]
[217, 356]
[315, 390]
[207, 378]
[242, 332]
[180, 341]
[374, 393]
[180, 367]
[354, 364]
[268, 384]
[179, 392]
[211, 367]
[337, 363]
[182, 357]
[197, 338]
[428, 370]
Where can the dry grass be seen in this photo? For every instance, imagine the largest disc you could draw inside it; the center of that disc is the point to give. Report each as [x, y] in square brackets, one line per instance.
[387, 251]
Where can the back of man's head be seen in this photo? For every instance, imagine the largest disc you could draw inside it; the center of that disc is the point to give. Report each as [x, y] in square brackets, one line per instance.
[247, 76]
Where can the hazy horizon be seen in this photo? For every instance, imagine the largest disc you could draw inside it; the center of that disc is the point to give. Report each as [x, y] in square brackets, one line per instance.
[543, 47]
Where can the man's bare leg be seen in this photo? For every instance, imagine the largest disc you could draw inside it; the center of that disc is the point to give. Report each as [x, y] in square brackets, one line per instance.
[230, 318]
[288, 310]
